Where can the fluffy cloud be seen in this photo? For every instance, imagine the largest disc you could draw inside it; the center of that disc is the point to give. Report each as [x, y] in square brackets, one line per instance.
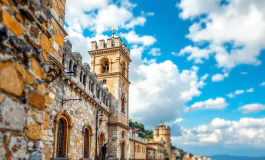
[219, 77]
[133, 38]
[262, 84]
[230, 44]
[250, 90]
[246, 132]
[239, 91]
[161, 87]
[218, 103]
[252, 108]
[155, 52]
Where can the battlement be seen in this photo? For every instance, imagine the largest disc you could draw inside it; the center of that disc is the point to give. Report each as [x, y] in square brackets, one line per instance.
[111, 42]
[85, 79]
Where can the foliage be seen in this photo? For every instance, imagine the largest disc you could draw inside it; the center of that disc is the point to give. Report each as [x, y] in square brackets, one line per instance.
[143, 133]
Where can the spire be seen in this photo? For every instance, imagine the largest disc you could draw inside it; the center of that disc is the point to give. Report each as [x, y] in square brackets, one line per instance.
[113, 31]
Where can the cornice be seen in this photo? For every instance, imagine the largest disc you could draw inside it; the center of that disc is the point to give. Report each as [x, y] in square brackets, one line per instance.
[114, 74]
[77, 88]
[137, 141]
[109, 50]
[118, 124]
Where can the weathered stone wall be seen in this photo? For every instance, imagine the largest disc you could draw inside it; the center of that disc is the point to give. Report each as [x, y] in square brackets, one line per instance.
[82, 113]
[30, 34]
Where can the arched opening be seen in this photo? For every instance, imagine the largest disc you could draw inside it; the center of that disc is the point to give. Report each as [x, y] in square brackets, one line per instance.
[70, 65]
[74, 68]
[105, 66]
[62, 135]
[98, 93]
[123, 104]
[61, 138]
[123, 150]
[87, 141]
[84, 80]
[101, 143]
[91, 87]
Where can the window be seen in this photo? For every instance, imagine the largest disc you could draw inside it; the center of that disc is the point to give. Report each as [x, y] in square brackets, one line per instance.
[92, 87]
[62, 134]
[87, 141]
[61, 139]
[81, 76]
[105, 66]
[123, 104]
[84, 80]
[98, 93]
[70, 65]
[75, 66]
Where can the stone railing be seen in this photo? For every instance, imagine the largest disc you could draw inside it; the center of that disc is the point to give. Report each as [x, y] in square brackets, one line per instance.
[135, 137]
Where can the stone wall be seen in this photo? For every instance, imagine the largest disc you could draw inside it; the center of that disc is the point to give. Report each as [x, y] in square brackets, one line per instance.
[31, 40]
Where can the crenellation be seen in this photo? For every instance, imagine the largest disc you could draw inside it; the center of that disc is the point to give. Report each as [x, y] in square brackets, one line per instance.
[83, 77]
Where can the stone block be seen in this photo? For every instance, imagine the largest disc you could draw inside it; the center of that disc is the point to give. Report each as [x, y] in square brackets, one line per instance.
[10, 80]
[36, 100]
[11, 23]
[12, 115]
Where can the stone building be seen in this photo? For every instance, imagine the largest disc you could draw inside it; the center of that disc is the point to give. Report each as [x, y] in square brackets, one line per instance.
[49, 99]
[162, 134]
[138, 146]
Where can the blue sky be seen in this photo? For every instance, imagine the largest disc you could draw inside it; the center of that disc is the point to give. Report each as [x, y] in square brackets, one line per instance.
[201, 62]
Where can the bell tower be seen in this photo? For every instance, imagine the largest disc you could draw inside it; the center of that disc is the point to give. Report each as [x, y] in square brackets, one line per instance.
[110, 61]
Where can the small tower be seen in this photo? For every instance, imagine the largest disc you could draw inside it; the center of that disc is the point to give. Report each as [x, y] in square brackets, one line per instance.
[110, 61]
[162, 133]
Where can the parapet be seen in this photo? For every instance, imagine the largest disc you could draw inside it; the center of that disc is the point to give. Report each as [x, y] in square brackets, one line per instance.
[111, 42]
[83, 78]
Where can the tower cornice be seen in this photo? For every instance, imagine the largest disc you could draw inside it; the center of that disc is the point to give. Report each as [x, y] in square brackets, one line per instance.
[114, 74]
[110, 50]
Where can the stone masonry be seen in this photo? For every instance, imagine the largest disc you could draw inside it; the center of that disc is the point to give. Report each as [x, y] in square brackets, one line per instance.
[34, 62]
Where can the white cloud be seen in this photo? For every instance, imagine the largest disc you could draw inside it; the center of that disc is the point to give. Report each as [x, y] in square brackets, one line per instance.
[174, 53]
[239, 92]
[245, 132]
[150, 14]
[219, 77]
[218, 103]
[155, 52]
[250, 90]
[252, 108]
[195, 53]
[244, 73]
[230, 44]
[133, 38]
[262, 84]
[230, 95]
[161, 86]
[100, 15]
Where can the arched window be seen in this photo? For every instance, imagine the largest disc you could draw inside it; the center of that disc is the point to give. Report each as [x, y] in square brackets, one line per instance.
[62, 135]
[107, 102]
[61, 139]
[75, 66]
[98, 93]
[81, 76]
[87, 141]
[91, 87]
[84, 80]
[70, 65]
[105, 66]
[123, 104]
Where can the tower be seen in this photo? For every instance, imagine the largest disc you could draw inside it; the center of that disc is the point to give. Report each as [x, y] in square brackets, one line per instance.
[162, 133]
[110, 61]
